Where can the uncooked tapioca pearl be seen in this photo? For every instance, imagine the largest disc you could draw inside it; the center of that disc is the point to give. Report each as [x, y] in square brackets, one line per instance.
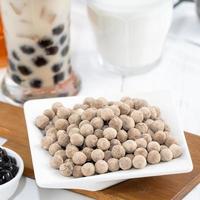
[147, 137]
[50, 125]
[139, 103]
[49, 113]
[98, 133]
[118, 151]
[82, 106]
[125, 163]
[89, 101]
[114, 142]
[56, 161]
[170, 140]
[141, 151]
[115, 110]
[122, 135]
[166, 155]
[124, 108]
[141, 142]
[150, 132]
[107, 155]
[61, 124]
[97, 154]
[146, 112]
[142, 127]
[157, 125]
[63, 112]
[89, 114]
[60, 132]
[127, 121]
[88, 169]
[113, 164]
[42, 121]
[74, 119]
[103, 144]
[63, 140]
[71, 126]
[160, 137]
[97, 123]
[54, 148]
[77, 171]
[73, 131]
[148, 122]
[134, 134]
[91, 141]
[153, 146]
[154, 114]
[163, 147]
[110, 133]
[86, 130]
[139, 162]
[52, 133]
[106, 114]
[54, 120]
[130, 155]
[128, 101]
[46, 142]
[137, 116]
[100, 102]
[77, 139]
[116, 123]
[61, 153]
[70, 150]
[79, 158]
[101, 167]
[79, 111]
[87, 151]
[66, 169]
[129, 146]
[153, 157]
[176, 150]
[83, 122]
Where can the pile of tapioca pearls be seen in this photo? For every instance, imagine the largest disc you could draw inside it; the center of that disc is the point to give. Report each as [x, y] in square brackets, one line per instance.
[101, 136]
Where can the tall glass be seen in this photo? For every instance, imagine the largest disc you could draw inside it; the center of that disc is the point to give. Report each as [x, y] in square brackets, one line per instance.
[38, 44]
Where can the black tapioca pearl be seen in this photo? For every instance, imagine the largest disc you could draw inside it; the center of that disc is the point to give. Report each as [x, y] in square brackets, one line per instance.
[58, 77]
[36, 83]
[58, 29]
[65, 50]
[16, 79]
[27, 49]
[40, 61]
[63, 39]
[51, 50]
[15, 56]
[57, 67]
[45, 42]
[12, 65]
[70, 69]
[24, 70]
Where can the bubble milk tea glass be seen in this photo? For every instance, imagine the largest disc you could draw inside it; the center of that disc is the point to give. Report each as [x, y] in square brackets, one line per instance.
[130, 34]
[38, 44]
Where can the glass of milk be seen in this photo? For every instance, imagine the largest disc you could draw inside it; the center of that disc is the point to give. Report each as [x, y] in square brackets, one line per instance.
[130, 34]
[38, 44]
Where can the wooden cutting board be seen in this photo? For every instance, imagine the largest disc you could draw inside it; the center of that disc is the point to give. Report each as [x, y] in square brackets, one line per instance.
[12, 127]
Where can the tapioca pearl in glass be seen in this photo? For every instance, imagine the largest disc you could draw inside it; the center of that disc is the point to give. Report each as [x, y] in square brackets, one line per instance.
[16, 78]
[45, 42]
[15, 56]
[12, 65]
[65, 50]
[24, 70]
[63, 39]
[58, 77]
[57, 67]
[36, 83]
[58, 29]
[26, 49]
[40, 61]
[53, 50]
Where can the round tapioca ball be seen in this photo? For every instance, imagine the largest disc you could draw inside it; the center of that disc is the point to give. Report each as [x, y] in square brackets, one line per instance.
[139, 103]
[99, 112]
[77, 139]
[89, 114]
[98, 133]
[127, 121]
[118, 151]
[110, 133]
[153, 157]
[60, 132]
[91, 141]
[124, 108]
[50, 125]
[49, 113]
[107, 155]
[46, 142]
[134, 134]
[137, 116]
[97, 154]
[63, 112]
[61, 124]
[86, 129]
[97, 123]
[150, 132]
[116, 123]
[147, 137]
[88, 169]
[141, 142]
[77, 106]
[146, 112]
[52, 132]
[115, 110]
[141, 151]
[176, 150]
[101, 167]
[73, 131]
[54, 148]
[78, 111]
[113, 164]
[103, 144]
[153, 146]
[128, 101]
[54, 119]
[122, 136]
[157, 125]
[160, 137]
[130, 155]
[87, 151]
[125, 163]
[42, 121]
[71, 126]
[142, 127]
[107, 114]
[139, 162]
[56, 161]
[166, 155]
[154, 114]
[148, 122]
[71, 150]
[63, 140]
[56, 105]
[100, 102]
[89, 101]
[79, 158]
[163, 147]
[74, 119]
[170, 140]
[114, 142]
[66, 169]
[77, 171]
[61, 153]
[129, 146]
[83, 122]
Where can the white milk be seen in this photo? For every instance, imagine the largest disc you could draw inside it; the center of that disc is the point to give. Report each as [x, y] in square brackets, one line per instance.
[130, 34]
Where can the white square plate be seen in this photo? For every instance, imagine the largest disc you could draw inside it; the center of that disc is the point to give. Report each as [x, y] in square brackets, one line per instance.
[49, 178]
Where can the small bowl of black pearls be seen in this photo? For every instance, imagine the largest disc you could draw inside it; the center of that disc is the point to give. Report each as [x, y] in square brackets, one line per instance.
[11, 169]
